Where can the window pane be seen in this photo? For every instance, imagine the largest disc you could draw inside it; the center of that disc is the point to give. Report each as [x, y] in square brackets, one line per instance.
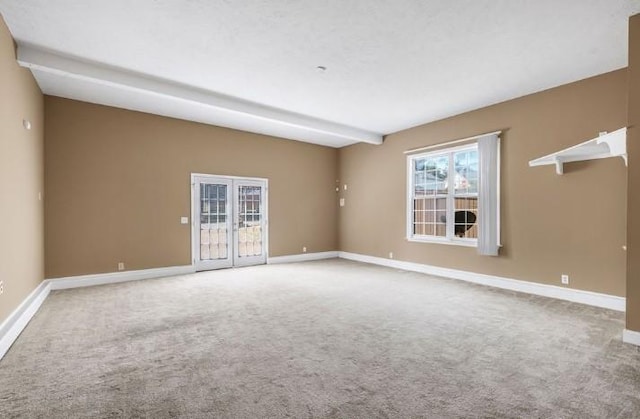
[466, 214]
[420, 207]
[430, 175]
[418, 229]
[466, 171]
[430, 217]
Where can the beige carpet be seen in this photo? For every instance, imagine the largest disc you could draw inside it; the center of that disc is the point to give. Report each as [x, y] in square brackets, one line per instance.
[332, 339]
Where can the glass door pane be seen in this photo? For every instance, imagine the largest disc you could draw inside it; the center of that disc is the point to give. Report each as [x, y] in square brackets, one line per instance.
[212, 223]
[250, 222]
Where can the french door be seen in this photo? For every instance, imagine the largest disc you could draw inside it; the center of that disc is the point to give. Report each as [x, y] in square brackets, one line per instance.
[229, 221]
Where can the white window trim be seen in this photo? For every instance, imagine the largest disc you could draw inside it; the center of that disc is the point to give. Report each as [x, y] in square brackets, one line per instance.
[451, 239]
[457, 241]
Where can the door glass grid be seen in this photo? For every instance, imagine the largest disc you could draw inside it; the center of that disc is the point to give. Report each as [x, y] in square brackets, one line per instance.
[249, 221]
[213, 222]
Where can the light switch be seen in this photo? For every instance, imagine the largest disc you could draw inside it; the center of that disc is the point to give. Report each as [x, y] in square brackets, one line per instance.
[342, 202]
[184, 220]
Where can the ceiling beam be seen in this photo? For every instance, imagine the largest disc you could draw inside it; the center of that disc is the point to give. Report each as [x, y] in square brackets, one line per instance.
[37, 58]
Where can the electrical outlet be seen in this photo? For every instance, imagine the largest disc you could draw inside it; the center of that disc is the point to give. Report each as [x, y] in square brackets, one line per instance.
[390, 255]
[1, 287]
[304, 249]
[565, 279]
[121, 266]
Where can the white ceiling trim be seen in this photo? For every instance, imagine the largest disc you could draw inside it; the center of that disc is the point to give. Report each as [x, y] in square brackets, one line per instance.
[273, 121]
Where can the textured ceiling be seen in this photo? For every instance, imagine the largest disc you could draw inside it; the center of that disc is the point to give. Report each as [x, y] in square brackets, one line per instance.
[390, 64]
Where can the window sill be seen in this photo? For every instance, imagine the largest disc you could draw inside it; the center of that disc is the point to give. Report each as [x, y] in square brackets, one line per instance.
[459, 242]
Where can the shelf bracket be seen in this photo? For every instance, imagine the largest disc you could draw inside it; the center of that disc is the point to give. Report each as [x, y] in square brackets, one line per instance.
[617, 146]
[559, 166]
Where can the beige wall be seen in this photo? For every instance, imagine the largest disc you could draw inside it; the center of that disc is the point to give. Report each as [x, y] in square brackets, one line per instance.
[551, 225]
[633, 149]
[118, 182]
[21, 171]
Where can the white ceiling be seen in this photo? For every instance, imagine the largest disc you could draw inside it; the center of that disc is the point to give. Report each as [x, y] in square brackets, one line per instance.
[252, 64]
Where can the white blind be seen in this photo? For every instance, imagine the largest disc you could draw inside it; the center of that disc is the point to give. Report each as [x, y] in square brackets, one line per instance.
[488, 205]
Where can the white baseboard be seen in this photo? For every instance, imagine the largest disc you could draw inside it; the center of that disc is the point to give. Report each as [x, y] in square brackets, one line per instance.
[115, 277]
[11, 328]
[303, 257]
[611, 302]
[631, 336]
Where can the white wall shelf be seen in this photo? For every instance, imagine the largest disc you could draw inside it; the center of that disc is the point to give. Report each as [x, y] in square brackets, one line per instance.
[612, 144]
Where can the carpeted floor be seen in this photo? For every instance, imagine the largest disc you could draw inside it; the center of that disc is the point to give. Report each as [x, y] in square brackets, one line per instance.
[333, 339]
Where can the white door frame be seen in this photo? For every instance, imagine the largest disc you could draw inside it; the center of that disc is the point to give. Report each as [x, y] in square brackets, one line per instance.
[232, 249]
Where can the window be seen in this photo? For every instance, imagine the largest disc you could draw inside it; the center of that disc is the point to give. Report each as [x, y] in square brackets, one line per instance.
[453, 195]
